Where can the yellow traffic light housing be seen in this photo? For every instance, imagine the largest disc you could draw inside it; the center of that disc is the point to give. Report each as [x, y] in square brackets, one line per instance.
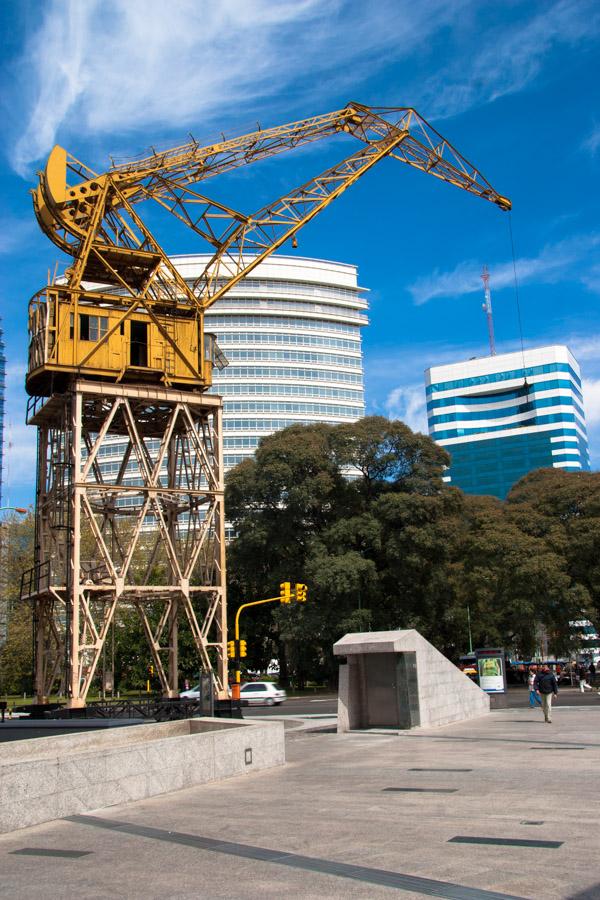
[301, 590]
[231, 649]
[243, 652]
[285, 592]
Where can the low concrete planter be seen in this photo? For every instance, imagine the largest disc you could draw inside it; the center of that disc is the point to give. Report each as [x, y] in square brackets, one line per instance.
[48, 778]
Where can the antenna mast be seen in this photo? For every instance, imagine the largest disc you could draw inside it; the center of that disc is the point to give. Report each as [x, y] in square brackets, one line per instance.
[487, 308]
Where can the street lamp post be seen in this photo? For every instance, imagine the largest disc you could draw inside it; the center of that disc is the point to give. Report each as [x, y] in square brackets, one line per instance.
[469, 627]
[17, 509]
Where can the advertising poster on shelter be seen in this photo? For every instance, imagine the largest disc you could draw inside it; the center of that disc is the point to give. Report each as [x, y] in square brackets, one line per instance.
[491, 674]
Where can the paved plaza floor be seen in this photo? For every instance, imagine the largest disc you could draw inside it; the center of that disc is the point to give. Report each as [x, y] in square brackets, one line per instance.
[506, 806]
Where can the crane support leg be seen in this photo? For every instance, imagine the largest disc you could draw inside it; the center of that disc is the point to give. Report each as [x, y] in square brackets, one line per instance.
[115, 546]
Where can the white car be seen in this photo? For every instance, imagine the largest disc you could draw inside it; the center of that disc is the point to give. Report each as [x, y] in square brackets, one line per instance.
[261, 693]
[191, 693]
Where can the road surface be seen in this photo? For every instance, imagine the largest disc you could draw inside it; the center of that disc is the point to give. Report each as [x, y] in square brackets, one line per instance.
[326, 705]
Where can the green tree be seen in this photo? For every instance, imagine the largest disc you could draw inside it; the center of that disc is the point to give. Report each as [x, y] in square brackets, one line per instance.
[16, 555]
[361, 513]
[512, 580]
[563, 508]
[390, 456]
[306, 508]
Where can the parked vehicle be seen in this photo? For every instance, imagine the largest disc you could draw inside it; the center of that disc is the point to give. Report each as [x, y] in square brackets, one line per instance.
[468, 665]
[192, 693]
[261, 693]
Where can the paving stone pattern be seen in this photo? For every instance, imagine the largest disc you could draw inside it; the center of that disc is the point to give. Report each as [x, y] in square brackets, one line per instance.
[323, 826]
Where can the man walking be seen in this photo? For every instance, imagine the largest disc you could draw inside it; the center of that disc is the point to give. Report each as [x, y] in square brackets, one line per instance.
[545, 683]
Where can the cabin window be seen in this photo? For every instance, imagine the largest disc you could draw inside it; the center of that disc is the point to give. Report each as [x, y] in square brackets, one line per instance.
[92, 328]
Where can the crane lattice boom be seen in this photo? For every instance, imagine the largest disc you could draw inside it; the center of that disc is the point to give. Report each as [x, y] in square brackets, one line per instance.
[94, 218]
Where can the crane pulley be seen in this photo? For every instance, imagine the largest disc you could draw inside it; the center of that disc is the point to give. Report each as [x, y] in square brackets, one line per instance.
[120, 268]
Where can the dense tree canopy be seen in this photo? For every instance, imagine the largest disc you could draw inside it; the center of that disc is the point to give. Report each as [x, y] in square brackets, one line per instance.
[16, 555]
[361, 514]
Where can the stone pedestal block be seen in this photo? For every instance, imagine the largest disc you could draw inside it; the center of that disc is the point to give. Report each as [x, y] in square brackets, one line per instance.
[397, 679]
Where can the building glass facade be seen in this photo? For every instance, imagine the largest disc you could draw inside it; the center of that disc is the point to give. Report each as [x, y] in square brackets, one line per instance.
[291, 332]
[502, 416]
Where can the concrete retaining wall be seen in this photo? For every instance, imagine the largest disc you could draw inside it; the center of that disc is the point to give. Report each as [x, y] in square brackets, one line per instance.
[48, 778]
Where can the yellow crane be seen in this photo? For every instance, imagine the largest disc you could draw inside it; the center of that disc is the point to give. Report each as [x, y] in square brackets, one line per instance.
[118, 351]
[123, 311]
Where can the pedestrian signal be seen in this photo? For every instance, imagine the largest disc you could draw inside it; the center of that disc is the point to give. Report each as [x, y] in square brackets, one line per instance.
[285, 592]
[301, 593]
[243, 649]
[231, 649]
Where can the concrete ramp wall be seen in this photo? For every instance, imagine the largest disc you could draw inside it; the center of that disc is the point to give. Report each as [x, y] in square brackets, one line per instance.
[397, 679]
[50, 777]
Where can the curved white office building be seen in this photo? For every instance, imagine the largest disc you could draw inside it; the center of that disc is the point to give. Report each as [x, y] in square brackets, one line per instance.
[291, 332]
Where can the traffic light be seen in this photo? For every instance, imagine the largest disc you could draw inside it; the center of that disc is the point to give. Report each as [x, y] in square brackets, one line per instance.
[285, 592]
[301, 593]
[243, 649]
[151, 669]
[231, 649]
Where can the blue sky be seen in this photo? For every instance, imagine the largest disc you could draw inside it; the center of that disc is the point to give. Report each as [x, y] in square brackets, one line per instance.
[513, 85]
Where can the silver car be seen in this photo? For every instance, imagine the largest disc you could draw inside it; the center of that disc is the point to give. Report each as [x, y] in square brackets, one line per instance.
[261, 693]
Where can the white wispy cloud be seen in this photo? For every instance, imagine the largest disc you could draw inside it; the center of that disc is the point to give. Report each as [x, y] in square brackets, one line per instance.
[591, 400]
[591, 397]
[586, 349]
[592, 142]
[591, 279]
[555, 262]
[407, 403]
[19, 458]
[509, 57]
[114, 66]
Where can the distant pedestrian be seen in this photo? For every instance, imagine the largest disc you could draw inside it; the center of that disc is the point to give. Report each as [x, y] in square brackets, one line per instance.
[592, 673]
[545, 683]
[534, 697]
[583, 685]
